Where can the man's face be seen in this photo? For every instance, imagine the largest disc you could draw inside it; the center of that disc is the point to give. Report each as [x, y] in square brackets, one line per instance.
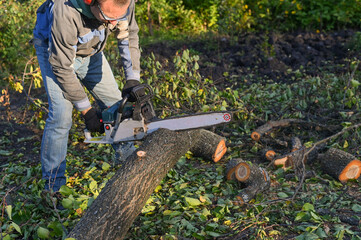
[108, 11]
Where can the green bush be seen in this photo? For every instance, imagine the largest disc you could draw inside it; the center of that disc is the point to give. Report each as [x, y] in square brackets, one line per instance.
[17, 21]
[178, 18]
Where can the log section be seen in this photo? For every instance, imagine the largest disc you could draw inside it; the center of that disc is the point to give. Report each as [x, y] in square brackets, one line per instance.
[252, 178]
[340, 164]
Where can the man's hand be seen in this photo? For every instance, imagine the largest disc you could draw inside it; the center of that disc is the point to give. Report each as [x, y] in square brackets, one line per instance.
[93, 121]
[128, 87]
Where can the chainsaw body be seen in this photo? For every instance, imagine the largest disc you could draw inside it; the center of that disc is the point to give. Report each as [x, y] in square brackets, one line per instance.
[129, 122]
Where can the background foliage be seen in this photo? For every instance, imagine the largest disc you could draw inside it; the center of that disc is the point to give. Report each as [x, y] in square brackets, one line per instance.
[192, 201]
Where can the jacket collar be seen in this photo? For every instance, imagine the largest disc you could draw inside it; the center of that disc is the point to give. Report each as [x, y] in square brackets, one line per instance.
[82, 8]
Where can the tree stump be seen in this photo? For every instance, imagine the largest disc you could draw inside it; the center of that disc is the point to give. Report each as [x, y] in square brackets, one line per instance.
[340, 164]
[121, 200]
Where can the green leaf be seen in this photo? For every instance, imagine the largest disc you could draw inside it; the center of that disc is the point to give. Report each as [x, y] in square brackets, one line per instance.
[9, 210]
[307, 236]
[67, 203]
[206, 212]
[43, 233]
[213, 234]
[301, 216]
[65, 190]
[5, 236]
[17, 228]
[356, 208]
[321, 233]
[193, 201]
[93, 185]
[282, 195]
[308, 207]
[315, 216]
[105, 166]
[5, 153]
[355, 83]
[57, 228]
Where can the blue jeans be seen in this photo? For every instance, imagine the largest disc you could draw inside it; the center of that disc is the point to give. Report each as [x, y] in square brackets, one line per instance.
[95, 74]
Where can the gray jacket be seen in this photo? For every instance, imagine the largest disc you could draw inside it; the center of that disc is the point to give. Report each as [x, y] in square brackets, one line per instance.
[72, 31]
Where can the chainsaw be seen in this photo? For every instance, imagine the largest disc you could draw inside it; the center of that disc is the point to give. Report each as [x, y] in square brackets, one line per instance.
[125, 121]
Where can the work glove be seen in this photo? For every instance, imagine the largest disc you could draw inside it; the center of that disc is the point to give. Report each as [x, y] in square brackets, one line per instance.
[127, 89]
[93, 121]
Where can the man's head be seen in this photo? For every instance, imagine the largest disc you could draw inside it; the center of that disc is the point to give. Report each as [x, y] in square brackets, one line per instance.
[110, 10]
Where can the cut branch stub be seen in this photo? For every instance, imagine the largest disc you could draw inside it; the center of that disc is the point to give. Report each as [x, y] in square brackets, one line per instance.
[283, 161]
[340, 164]
[268, 154]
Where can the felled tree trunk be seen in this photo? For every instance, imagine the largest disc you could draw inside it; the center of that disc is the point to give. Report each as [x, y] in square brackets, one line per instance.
[340, 164]
[119, 203]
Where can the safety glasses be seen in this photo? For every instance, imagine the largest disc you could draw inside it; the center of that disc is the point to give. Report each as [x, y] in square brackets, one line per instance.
[111, 19]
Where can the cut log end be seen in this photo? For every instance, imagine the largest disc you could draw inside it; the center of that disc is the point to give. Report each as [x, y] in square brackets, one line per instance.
[242, 172]
[284, 162]
[256, 136]
[220, 151]
[270, 155]
[351, 171]
[141, 153]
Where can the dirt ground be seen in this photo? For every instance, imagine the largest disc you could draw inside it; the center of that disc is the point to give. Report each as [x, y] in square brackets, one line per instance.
[272, 56]
[265, 57]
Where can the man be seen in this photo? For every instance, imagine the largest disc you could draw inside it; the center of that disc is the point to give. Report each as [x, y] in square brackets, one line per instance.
[69, 38]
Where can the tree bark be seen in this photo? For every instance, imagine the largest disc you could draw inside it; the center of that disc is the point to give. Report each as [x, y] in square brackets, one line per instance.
[119, 203]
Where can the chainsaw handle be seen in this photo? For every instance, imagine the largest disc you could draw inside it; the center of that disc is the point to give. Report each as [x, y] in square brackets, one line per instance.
[122, 104]
[142, 93]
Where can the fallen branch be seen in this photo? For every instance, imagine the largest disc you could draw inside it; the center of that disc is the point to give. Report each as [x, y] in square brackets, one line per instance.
[267, 127]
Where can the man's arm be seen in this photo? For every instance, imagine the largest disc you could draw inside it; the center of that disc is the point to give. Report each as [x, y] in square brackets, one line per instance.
[62, 55]
[128, 44]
